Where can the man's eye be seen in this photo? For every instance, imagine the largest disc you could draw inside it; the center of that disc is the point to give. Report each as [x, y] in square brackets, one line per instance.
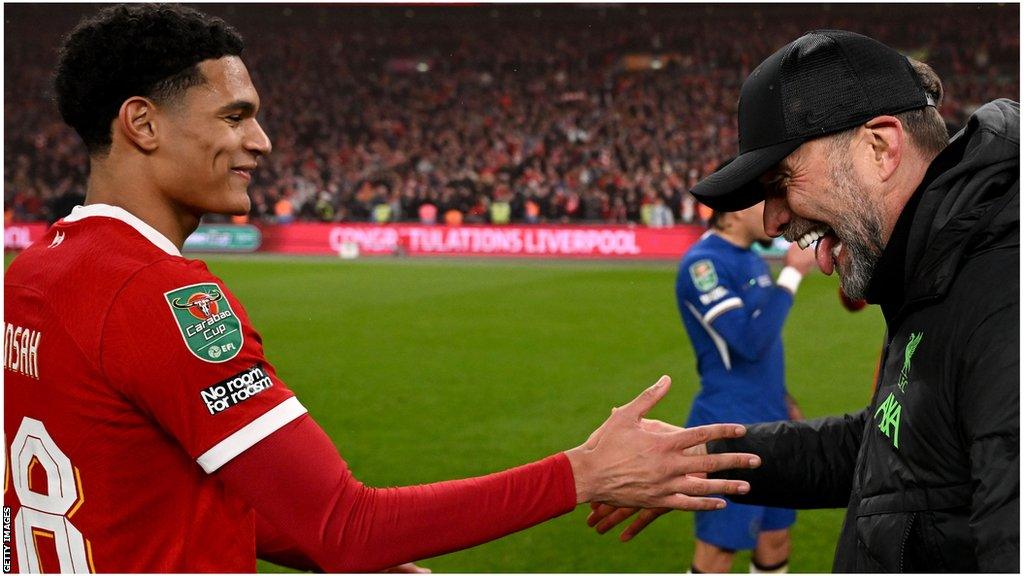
[234, 118]
[777, 185]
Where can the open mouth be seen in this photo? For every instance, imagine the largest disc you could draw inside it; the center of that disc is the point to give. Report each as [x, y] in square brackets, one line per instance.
[827, 249]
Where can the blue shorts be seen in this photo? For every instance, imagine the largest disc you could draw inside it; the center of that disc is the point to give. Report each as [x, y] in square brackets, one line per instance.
[737, 525]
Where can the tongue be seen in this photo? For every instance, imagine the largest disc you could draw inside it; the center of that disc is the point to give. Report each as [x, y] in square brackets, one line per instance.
[823, 253]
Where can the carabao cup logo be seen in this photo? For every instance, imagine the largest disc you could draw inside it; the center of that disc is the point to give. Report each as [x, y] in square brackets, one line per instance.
[201, 305]
[208, 325]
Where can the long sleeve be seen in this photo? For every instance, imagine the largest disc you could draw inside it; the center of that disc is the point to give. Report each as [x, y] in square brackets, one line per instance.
[299, 484]
[806, 464]
[748, 334]
[709, 292]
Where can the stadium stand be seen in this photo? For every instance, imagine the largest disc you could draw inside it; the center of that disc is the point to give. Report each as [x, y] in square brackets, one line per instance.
[516, 113]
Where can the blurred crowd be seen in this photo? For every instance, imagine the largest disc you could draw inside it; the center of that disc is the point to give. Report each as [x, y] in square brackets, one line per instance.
[582, 114]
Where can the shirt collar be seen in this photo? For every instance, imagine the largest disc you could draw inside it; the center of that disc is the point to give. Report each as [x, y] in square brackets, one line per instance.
[118, 213]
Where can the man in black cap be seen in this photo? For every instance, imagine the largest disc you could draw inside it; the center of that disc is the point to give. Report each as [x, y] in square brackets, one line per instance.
[840, 135]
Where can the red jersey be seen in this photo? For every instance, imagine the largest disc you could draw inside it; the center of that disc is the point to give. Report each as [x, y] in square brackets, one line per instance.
[131, 373]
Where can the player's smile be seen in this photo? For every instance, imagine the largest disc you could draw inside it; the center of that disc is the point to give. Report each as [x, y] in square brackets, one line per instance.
[245, 172]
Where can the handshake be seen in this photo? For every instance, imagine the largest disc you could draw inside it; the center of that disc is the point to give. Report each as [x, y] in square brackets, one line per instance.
[632, 464]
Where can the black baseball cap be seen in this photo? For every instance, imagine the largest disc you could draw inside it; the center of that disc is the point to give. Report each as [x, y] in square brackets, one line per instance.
[824, 82]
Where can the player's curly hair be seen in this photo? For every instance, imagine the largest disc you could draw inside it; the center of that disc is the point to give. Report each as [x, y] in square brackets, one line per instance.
[134, 50]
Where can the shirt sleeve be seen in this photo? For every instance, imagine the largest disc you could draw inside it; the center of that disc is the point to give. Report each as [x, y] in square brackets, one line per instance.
[807, 464]
[179, 346]
[706, 289]
[312, 512]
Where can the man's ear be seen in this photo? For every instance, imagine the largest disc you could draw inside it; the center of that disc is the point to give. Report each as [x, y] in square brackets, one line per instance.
[888, 144]
[136, 121]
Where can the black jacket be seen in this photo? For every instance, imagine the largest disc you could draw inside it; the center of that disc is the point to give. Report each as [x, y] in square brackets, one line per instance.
[929, 473]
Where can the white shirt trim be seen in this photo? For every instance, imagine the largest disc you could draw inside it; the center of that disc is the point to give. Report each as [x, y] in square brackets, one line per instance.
[720, 343]
[118, 213]
[250, 434]
[722, 307]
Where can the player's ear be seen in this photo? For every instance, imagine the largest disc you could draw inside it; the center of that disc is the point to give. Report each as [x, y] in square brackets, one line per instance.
[136, 121]
[887, 139]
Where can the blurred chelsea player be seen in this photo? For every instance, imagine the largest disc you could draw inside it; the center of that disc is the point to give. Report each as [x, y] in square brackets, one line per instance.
[733, 313]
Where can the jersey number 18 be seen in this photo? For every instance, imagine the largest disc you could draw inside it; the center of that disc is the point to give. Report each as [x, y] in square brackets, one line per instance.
[46, 515]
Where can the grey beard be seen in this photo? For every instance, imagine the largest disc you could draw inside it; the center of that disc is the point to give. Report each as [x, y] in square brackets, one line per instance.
[859, 224]
[862, 262]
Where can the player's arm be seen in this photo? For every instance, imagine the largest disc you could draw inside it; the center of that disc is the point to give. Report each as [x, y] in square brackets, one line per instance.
[275, 546]
[988, 399]
[296, 480]
[719, 308]
[750, 332]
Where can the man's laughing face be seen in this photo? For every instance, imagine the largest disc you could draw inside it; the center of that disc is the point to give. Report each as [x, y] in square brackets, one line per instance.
[814, 197]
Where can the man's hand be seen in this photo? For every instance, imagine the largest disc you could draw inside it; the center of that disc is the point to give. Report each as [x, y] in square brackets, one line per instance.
[630, 462]
[604, 517]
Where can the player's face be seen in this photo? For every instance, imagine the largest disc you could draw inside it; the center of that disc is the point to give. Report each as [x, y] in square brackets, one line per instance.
[210, 142]
[816, 195]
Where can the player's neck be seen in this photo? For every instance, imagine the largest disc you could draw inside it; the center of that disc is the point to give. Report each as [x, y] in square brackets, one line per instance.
[734, 238]
[123, 187]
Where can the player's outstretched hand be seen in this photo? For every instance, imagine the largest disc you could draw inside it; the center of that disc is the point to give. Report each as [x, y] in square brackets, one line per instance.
[604, 517]
[631, 462]
[800, 258]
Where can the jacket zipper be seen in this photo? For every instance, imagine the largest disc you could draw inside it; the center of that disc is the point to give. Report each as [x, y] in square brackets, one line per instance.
[903, 542]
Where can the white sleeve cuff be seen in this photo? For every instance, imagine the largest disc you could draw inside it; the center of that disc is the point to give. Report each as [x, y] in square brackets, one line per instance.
[790, 279]
[246, 437]
[721, 308]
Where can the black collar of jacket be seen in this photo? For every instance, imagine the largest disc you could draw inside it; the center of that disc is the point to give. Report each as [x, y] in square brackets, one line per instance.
[888, 285]
[968, 186]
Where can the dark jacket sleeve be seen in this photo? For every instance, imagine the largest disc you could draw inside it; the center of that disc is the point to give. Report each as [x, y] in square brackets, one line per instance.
[989, 405]
[803, 464]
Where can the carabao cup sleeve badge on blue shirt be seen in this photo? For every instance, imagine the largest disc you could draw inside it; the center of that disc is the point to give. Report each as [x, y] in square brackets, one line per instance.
[703, 274]
[208, 325]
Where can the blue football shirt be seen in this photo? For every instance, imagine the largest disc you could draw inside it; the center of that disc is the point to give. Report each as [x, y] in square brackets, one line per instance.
[733, 313]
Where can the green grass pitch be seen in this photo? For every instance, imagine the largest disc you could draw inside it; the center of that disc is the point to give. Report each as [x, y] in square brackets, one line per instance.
[426, 370]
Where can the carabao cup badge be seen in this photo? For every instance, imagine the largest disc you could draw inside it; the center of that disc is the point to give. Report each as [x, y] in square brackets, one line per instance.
[208, 325]
[704, 275]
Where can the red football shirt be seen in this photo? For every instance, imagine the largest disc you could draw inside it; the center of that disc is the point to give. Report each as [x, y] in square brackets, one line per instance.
[131, 373]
